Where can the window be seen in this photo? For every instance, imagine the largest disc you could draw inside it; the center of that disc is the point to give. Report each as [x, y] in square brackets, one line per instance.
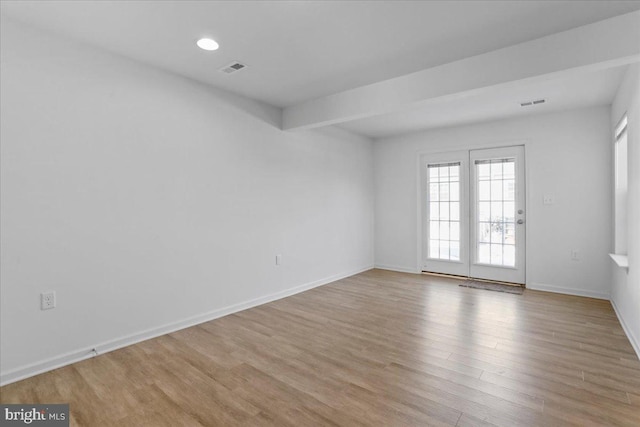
[444, 211]
[621, 183]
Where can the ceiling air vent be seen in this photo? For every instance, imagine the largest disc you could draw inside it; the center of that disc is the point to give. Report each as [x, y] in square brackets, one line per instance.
[233, 67]
[536, 102]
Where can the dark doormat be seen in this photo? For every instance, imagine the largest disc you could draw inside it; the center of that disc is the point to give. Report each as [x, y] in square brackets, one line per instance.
[489, 286]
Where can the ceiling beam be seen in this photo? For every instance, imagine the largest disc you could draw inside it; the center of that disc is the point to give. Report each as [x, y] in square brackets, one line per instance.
[608, 43]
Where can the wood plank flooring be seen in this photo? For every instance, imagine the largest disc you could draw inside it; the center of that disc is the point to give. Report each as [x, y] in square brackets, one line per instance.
[378, 348]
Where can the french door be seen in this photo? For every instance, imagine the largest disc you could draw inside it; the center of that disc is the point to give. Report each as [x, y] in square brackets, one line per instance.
[473, 213]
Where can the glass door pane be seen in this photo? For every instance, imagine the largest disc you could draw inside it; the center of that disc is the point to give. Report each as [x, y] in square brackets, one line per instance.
[443, 204]
[496, 240]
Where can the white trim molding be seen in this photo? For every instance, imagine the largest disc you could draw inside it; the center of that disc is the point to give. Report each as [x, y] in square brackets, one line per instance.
[635, 343]
[567, 291]
[398, 269]
[111, 345]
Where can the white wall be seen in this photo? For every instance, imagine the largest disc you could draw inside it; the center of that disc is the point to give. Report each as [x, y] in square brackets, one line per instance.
[148, 201]
[625, 292]
[567, 155]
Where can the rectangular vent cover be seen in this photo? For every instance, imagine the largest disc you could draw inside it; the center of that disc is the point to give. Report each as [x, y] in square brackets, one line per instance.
[536, 102]
[233, 67]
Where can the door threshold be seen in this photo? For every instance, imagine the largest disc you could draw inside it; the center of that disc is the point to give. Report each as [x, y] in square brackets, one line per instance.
[450, 276]
[455, 276]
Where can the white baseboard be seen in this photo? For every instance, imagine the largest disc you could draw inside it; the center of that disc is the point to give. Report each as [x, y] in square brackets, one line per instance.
[567, 291]
[105, 347]
[632, 339]
[397, 268]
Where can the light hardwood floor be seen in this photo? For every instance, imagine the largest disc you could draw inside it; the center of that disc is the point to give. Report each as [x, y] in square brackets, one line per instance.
[379, 348]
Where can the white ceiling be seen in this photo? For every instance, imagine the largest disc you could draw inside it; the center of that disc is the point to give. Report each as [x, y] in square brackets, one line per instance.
[584, 90]
[302, 50]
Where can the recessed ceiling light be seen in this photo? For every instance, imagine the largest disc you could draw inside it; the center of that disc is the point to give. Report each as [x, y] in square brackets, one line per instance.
[208, 44]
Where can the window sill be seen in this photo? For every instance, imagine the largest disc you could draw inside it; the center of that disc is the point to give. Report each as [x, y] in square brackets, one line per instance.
[621, 261]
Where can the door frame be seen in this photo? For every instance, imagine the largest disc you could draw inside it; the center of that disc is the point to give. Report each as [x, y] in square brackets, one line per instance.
[440, 149]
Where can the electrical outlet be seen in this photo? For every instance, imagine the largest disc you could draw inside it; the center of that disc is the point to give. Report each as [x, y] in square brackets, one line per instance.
[548, 199]
[47, 300]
